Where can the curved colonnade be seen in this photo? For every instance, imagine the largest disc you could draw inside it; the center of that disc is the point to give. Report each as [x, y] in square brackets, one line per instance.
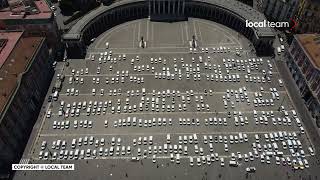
[229, 13]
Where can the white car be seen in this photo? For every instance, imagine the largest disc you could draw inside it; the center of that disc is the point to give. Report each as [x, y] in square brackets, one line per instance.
[222, 162]
[48, 114]
[251, 169]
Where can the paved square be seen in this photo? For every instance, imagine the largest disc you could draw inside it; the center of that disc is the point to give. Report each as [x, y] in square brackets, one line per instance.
[224, 99]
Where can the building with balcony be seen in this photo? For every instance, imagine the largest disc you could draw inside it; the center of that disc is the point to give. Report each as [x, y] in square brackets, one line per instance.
[34, 17]
[308, 16]
[304, 64]
[25, 74]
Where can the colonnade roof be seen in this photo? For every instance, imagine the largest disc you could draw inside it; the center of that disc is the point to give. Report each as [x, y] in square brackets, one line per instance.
[244, 11]
[77, 28]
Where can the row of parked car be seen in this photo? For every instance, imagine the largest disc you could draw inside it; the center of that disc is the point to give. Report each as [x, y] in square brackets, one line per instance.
[264, 153]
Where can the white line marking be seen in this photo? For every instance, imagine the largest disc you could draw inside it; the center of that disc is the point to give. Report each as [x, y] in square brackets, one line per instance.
[139, 32]
[196, 93]
[226, 32]
[158, 52]
[104, 36]
[199, 32]
[183, 74]
[178, 112]
[148, 30]
[186, 28]
[194, 29]
[134, 35]
[165, 157]
[162, 133]
[152, 36]
[182, 34]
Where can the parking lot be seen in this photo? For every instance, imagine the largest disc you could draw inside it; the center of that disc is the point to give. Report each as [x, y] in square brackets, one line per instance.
[172, 111]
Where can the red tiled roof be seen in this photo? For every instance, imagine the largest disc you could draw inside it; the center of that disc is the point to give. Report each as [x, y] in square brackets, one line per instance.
[13, 38]
[43, 8]
[16, 63]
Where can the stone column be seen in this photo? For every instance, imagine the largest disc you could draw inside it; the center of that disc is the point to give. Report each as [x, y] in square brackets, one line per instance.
[163, 7]
[183, 6]
[150, 7]
[174, 7]
[167, 6]
[153, 6]
[178, 7]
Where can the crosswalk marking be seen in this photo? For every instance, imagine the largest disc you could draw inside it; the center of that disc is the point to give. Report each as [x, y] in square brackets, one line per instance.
[24, 161]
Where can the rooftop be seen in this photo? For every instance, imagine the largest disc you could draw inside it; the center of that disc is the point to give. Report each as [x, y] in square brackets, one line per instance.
[311, 44]
[41, 11]
[18, 56]
[12, 39]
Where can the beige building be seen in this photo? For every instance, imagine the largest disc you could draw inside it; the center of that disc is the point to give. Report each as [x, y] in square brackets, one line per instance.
[304, 64]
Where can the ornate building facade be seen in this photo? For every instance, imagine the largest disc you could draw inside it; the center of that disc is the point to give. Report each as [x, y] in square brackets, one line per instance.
[304, 64]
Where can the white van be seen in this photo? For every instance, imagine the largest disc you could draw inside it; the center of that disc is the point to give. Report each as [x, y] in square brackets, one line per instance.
[55, 95]
[195, 138]
[301, 130]
[165, 148]
[58, 144]
[298, 122]
[278, 50]
[233, 163]
[245, 137]
[257, 138]
[150, 140]
[168, 138]
[73, 144]
[191, 161]
[185, 149]
[280, 82]
[76, 154]
[178, 159]
[171, 157]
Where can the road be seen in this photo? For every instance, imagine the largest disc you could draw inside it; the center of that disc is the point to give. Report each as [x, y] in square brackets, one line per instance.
[299, 103]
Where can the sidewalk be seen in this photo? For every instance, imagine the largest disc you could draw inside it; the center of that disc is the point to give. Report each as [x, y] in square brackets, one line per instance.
[310, 124]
